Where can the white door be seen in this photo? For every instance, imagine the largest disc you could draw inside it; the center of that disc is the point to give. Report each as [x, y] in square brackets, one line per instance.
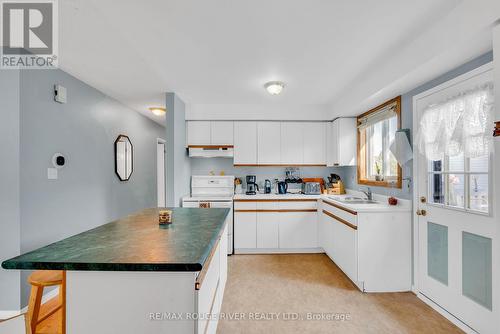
[268, 143]
[325, 234]
[344, 137]
[198, 132]
[298, 230]
[160, 173]
[292, 143]
[245, 143]
[267, 229]
[245, 230]
[344, 249]
[221, 132]
[455, 224]
[314, 143]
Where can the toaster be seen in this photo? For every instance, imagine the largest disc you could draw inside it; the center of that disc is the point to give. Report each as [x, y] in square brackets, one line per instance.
[311, 188]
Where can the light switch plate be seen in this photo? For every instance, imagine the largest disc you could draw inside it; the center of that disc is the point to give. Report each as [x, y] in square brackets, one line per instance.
[60, 94]
[52, 173]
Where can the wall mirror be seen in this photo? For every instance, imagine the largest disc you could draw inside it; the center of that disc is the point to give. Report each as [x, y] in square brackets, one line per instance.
[124, 157]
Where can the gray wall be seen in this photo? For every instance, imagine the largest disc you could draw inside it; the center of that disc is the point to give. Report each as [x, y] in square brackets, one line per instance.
[178, 163]
[349, 173]
[87, 193]
[9, 186]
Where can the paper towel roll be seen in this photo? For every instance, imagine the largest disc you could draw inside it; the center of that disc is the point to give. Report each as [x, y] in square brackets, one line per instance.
[401, 148]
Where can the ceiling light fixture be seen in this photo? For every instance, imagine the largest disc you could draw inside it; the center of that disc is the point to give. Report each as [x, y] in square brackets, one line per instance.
[274, 87]
[158, 111]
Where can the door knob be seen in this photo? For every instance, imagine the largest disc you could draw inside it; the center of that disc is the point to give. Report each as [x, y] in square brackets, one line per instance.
[421, 212]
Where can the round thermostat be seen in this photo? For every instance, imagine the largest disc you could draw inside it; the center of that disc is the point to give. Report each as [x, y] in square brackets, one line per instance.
[58, 160]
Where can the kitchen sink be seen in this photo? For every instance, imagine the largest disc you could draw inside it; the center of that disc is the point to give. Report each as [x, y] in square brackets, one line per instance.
[356, 200]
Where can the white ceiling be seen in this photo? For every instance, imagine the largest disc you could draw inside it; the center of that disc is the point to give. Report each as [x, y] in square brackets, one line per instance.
[329, 53]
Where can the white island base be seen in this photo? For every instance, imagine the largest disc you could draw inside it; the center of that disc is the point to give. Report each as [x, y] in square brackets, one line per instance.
[131, 302]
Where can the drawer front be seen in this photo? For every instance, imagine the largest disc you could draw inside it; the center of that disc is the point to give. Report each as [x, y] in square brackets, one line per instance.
[298, 205]
[267, 205]
[343, 214]
[245, 205]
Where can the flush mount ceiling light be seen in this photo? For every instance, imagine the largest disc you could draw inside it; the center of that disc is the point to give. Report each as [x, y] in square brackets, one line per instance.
[274, 87]
[158, 111]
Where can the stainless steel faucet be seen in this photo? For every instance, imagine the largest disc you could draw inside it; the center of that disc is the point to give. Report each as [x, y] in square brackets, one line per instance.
[368, 193]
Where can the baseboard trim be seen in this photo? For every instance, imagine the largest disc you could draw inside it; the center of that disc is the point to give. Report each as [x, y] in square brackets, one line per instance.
[46, 297]
[457, 322]
[278, 250]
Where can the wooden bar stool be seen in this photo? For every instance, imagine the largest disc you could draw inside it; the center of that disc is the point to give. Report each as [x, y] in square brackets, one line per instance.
[39, 280]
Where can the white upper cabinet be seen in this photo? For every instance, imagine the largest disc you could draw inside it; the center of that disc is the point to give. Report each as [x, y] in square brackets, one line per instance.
[292, 143]
[314, 143]
[245, 143]
[209, 133]
[268, 143]
[342, 141]
[221, 132]
[277, 143]
[198, 133]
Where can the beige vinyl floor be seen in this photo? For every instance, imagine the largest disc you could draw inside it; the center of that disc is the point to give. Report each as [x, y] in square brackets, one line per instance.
[268, 292]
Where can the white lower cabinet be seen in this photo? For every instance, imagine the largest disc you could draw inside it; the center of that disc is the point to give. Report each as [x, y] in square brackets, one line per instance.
[344, 249]
[298, 230]
[372, 248]
[245, 229]
[274, 227]
[209, 295]
[340, 240]
[268, 229]
[325, 236]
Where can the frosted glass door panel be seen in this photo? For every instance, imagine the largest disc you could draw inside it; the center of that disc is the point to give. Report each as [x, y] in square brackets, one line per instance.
[437, 252]
[476, 269]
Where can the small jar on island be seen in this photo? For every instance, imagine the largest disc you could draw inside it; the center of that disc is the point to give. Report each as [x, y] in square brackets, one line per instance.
[165, 217]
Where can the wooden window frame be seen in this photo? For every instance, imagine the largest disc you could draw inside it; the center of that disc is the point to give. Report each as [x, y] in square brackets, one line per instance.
[361, 151]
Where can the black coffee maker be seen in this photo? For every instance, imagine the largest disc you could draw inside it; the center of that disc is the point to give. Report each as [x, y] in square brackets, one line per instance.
[252, 186]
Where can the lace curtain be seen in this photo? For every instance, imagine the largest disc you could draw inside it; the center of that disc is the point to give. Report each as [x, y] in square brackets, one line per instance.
[462, 124]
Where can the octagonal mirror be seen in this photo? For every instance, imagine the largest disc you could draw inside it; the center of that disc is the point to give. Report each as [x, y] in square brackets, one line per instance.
[124, 154]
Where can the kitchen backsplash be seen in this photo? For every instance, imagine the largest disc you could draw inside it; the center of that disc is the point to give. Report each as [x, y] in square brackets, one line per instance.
[349, 176]
[201, 166]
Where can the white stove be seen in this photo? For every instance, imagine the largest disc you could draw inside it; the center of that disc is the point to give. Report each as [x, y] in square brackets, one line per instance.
[209, 191]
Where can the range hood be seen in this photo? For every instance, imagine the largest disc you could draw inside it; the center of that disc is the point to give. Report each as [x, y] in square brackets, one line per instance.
[211, 151]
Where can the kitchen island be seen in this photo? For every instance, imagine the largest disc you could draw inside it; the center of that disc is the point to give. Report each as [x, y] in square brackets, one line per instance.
[134, 276]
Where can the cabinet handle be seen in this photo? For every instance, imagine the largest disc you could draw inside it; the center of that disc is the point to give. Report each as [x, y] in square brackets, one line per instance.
[340, 220]
[340, 207]
[276, 210]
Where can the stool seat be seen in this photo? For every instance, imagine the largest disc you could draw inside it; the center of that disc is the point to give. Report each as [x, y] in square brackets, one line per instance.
[46, 278]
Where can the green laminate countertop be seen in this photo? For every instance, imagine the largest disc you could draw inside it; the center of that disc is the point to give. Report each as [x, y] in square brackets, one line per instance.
[134, 243]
